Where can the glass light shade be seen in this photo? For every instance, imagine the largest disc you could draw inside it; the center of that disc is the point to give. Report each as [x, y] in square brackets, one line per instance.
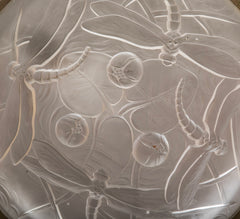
[122, 109]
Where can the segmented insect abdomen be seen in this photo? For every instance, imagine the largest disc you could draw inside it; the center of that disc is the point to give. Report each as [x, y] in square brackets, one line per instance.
[174, 16]
[92, 204]
[49, 75]
[193, 131]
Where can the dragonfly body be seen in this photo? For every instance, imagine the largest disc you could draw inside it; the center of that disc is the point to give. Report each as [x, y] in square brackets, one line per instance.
[50, 165]
[74, 179]
[22, 112]
[171, 40]
[174, 17]
[202, 138]
[171, 43]
[42, 76]
[56, 169]
[34, 75]
[171, 49]
[92, 204]
[194, 160]
[96, 194]
[216, 55]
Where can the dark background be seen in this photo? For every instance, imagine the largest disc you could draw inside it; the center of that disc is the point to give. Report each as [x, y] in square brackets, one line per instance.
[2, 216]
[237, 3]
[4, 2]
[237, 216]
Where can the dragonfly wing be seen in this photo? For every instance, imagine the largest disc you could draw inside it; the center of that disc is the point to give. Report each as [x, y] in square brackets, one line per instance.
[55, 163]
[43, 34]
[23, 141]
[229, 107]
[217, 42]
[213, 111]
[113, 26]
[188, 157]
[33, 165]
[213, 60]
[152, 199]
[9, 123]
[189, 183]
[14, 46]
[103, 8]
[71, 17]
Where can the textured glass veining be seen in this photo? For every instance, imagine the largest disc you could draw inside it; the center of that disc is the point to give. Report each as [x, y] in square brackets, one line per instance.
[119, 109]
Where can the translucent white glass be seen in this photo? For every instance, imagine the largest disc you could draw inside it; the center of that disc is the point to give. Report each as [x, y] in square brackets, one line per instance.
[121, 109]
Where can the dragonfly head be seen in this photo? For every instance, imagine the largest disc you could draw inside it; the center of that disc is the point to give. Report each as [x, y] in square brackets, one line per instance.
[218, 145]
[13, 68]
[16, 70]
[173, 43]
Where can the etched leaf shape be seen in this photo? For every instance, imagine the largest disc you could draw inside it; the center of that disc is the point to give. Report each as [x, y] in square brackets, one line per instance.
[87, 90]
[113, 146]
[54, 162]
[156, 93]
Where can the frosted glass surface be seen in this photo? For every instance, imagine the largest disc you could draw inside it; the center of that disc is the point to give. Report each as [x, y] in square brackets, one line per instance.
[119, 109]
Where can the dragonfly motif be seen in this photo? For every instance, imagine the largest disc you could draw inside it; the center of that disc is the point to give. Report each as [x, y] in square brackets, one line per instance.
[103, 199]
[216, 55]
[57, 170]
[17, 122]
[113, 19]
[191, 165]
